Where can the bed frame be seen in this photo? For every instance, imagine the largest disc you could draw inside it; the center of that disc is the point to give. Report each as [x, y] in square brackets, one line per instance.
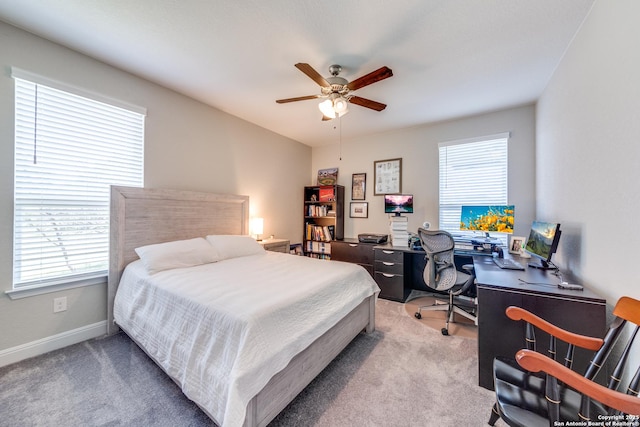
[142, 216]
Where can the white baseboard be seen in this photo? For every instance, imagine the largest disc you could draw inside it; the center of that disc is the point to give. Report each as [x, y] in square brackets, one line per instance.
[54, 342]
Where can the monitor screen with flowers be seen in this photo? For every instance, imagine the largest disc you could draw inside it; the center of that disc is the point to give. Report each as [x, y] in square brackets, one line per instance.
[488, 219]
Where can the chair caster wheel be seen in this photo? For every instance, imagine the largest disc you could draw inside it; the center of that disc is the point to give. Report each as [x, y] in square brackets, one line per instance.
[444, 331]
[418, 315]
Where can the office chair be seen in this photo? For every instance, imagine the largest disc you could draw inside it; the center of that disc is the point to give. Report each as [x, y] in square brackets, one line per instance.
[539, 391]
[440, 274]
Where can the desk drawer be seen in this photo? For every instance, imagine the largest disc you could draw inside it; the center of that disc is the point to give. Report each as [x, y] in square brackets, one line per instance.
[389, 267]
[388, 255]
[357, 253]
[391, 286]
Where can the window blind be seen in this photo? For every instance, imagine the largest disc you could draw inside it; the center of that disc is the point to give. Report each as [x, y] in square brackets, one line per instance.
[69, 150]
[472, 172]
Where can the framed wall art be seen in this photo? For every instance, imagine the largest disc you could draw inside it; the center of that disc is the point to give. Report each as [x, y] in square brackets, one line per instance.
[359, 210]
[387, 176]
[358, 186]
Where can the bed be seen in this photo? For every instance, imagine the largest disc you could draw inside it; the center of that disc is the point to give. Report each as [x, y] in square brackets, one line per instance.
[256, 388]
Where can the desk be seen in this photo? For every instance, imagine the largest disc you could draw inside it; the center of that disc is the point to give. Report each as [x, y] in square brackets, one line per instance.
[398, 270]
[582, 312]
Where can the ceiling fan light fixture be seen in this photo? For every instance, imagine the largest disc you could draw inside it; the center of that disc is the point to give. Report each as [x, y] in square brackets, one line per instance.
[326, 107]
[340, 106]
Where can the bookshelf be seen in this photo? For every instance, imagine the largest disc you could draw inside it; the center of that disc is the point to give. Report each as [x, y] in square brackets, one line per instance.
[323, 219]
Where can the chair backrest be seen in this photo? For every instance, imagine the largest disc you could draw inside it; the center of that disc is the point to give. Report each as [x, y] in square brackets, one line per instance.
[626, 311]
[440, 271]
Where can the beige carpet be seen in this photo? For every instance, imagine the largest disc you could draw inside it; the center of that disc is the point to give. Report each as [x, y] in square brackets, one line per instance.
[462, 327]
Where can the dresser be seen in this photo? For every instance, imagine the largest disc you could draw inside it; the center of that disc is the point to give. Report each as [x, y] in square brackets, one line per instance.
[392, 273]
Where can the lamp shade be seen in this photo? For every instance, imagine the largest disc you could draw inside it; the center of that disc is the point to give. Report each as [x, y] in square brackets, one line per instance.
[257, 226]
[326, 107]
[340, 106]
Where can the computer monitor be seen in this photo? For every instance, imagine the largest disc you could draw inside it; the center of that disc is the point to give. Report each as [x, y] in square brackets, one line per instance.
[495, 218]
[398, 203]
[542, 243]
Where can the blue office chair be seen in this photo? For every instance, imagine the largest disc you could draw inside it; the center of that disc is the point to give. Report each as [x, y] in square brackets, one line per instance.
[440, 274]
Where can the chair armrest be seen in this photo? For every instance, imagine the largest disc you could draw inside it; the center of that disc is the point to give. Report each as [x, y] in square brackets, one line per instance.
[589, 343]
[536, 362]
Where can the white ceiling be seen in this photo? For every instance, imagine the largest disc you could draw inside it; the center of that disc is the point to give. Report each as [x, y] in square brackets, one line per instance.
[450, 58]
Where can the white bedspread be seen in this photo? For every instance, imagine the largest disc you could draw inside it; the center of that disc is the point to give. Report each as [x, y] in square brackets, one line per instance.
[222, 330]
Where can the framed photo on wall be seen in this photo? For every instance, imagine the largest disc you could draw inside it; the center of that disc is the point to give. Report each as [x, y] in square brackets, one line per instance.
[359, 210]
[358, 186]
[387, 176]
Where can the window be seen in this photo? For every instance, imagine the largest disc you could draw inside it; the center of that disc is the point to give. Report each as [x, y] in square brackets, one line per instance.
[69, 149]
[472, 172]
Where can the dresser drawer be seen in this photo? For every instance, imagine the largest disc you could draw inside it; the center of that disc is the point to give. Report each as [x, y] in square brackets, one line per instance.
[391, 286]
[357, 253]
[388, 255]
[389, 267]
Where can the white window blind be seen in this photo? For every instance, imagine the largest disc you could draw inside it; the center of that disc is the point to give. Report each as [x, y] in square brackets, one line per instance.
[69, 149]
[472, 172]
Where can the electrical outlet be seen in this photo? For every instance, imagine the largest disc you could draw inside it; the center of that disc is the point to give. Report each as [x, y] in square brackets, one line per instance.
[59, 304]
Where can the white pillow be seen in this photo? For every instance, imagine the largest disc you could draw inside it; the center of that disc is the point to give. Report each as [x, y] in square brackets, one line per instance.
[177, 254]
[232, 246]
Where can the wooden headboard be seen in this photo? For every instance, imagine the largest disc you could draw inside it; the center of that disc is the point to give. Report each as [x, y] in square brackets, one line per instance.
[144, 216]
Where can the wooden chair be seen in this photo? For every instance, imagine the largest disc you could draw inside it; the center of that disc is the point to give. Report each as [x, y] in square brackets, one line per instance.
[539, 391]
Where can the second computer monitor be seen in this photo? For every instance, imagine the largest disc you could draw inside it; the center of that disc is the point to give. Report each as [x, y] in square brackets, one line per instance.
[543, 242]
[495, 218]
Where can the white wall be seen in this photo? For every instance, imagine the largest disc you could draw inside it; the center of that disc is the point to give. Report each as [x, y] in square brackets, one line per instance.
[188, 145]
[418, 148]
[588, 152]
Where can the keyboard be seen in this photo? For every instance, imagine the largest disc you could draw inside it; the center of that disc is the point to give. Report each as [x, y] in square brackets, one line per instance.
[508, 264]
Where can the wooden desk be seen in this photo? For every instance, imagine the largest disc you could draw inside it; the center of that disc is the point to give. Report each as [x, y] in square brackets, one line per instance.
[581, 312]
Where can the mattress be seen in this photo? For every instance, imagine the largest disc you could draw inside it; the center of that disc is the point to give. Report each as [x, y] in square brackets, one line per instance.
[222, 330]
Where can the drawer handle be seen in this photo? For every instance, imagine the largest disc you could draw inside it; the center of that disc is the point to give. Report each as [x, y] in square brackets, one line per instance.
[353, 245]
[388, 263]
[388, 275]
[388, 252]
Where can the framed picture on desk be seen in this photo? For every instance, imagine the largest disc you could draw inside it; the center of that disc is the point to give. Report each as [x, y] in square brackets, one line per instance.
[516, 244]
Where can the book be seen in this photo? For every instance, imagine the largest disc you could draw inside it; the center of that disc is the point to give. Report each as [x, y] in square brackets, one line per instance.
[327, 194]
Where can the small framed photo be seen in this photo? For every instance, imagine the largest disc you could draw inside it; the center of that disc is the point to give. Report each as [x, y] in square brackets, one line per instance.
[358, 186]
[516, 244]
[387, 177]
[359, 210]
[296, 249]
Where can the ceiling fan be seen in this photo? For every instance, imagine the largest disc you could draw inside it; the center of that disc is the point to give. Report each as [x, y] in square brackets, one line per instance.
[336, 90]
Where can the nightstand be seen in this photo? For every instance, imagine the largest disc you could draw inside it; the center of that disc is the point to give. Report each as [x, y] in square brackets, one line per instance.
[275, 245]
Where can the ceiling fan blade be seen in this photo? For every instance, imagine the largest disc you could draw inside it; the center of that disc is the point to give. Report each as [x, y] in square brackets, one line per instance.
[300, 98]
[374, 76]
[364, 102]
[312, 74]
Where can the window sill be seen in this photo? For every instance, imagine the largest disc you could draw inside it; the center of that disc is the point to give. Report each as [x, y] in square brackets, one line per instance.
[30, 291]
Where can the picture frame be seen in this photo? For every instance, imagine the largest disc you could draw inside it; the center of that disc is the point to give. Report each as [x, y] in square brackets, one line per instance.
[296, 249]
[358, 210]
[387, 176]
[516, 243]
[358, 186]
[328, 176]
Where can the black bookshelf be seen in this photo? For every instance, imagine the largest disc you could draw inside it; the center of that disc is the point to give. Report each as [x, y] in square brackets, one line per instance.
[323, 219]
